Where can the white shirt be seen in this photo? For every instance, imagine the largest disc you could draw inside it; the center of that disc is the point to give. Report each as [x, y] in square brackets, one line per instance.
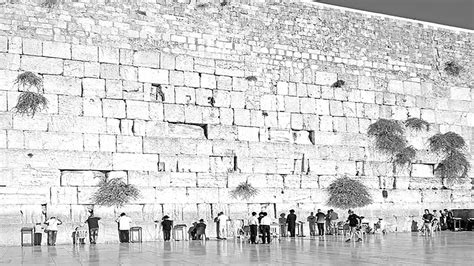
[266, 221]
[53, 224]
[124, 222]
[253, 220]
[222, 218]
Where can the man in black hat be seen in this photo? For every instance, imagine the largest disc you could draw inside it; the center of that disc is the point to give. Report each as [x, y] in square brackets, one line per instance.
[167, 225]
[291, 221]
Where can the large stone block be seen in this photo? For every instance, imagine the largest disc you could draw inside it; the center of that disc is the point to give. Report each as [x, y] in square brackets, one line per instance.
[38, 122]
[113, 108]
[57, 49]
[149, 178]
[186, 131]
[24, 195]
[63, 195]
[62, 85]
[84, 53]
[9, 61]
[77, 124]
[131, 144]
[325, 78]
[93, 87]
[54, 141]
[193, 163]
[212, 180]
[138, 162]
[18, 177]
[42, 65]
[146, 59]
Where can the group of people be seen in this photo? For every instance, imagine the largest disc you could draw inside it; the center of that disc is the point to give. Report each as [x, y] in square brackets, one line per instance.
[437, 221]
[325, 222]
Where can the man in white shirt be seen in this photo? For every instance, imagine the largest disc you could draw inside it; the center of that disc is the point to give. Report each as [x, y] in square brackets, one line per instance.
[52, 230]
[253, 224]
[222, 219]
[124, 227]
[265, 223]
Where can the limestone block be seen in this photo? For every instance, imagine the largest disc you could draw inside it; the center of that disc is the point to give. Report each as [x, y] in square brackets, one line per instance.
[242, 117]
[126, 56]
[84, 53]
[113, 108]
[7, 78]
[63, 195]
[212, 180]
[366, 83]
[109, 55]
[128, 73]
[459, 183]
[149, 178]
[146, 59]
[395, 86]
[39, 122]
[93, 87]
[3, 139]
[307, 105]
[91, 69]
[296, 121]
[192, 79]
[298, 195]
[24, 195]
[207, 81]
[459, 93]
[129, 144]
[92, 107]
[62, 85]
[174, 113]
[53, 141]
[229, 148]
[221, 98]
[223, 132]
[168, 163]
[271, 119]
[156, 128]
[220, 164]
[4, 43]
[139, 162]
[147, 196]
[239, 84]
[185, 95]
[302, 137]
[183, 179]
[70, 105]
[109, 71]
[6, 120]
[422, 170]
[203, 97]
[325, 78]
[461, 195]
[280, 135]
[186, 131]
[248, 133]
[156, 111]
[224, 83]
[42, 65]
[9, 61]
[28, 176]
[73, 68]
[91, 142]
[322, 107]
[284, 120]
[291, 181]
[84, 195]
[77, 124]
[264, 165]
[226, 116]
[107, 143]
[191, 163]
[309, 181]
[150, 75]
[57, 49]
[126, 127]
[184, 63]
[137, 110]
[177, 78]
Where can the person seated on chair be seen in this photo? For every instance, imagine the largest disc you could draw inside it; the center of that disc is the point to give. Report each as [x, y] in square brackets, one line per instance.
[200, 229]
[192, 231]
[380, 226]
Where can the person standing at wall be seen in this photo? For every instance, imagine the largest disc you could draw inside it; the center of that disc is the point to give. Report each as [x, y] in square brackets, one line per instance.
[201, 230]
[52, 229]
[222, 218]
[253, 224]
[124, 227]
[333, 217]
[312, 224]
[427, 222]
[436, 220]
[166, 226]
[39, 228]
[354, 224]
[283, 227]
[291, 221]
[320, 219]
[93, 224]
[265, 223]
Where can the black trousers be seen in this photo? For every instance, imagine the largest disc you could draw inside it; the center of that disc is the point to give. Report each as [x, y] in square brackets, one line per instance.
[253, 233]
[38, 238]
[124, 236]
[291, 228]
[321, 229]
[266, 233]
[167, 235]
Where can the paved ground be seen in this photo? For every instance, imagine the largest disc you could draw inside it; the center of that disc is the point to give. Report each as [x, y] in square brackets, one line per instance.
[446, 248]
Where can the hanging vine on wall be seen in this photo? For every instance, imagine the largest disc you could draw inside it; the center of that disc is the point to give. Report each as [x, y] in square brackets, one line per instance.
[450, 146]
[244, 191]
[30, 102]
[115, 192]
[346, 193]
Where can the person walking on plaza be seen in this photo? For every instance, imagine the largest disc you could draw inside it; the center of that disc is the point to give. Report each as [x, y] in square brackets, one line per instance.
[222, 219]
[124, 227]
[312, 224]
[52, 228]
[166, 226]
[333, 217]
[291, 221]
[93, 224]
[283, 227]
[427, 223]
[253, 224]
[320, 219]
[354, 224]
[265, 223]
[201, 230]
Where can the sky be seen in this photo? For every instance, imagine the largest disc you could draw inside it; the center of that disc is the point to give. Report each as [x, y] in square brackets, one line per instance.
[458, 13]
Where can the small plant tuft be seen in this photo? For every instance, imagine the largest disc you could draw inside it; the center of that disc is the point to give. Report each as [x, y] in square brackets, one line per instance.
[338, 84]
[388, 135]
[29, 103]
[50, 3]
[140, 12]
[446, 142]
[405, 156]
[251, 78]
[224, 3]
[114, 192]
[244, 191]
[417, 124]
[454, 163]
[27, 80]
[452, 68]
[346, 193]
[202, 5]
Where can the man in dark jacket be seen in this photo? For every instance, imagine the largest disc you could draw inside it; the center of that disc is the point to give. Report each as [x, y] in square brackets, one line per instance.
[200, 229]
[291, 221]
[354, 224]
[93, 224]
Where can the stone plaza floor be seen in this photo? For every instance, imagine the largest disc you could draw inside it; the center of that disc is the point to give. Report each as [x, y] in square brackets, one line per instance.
[445, 248]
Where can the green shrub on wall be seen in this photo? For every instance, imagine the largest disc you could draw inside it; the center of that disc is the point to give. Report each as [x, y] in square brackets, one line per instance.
[346, 193]
[115, 192]
[450, 146]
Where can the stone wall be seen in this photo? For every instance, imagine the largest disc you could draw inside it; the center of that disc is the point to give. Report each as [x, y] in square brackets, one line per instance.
[161, 94]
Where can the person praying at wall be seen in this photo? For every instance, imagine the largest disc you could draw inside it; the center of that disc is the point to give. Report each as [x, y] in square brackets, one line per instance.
[39, 228]
[192, 231]
[253, 224]
[222, 218]
[320, 219]
[312, 224]
[283, 227]
[333, 218]
[291, 221]
[166, 226]
[265, 223]
[93, 225]
[124, 227]
[201, 230]
[52, 229]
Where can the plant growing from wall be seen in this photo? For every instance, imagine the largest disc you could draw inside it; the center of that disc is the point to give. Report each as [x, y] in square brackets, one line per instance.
[338, 84]
[346, 193]
[30, 102]
[50, 3]
[244, 191]
[417, 124]
[114, 192]
[251, 78]
[450, 146]
[452, 68]
[388, 135]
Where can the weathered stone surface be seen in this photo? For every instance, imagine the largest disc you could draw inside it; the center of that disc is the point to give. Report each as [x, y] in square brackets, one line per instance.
[138, 162]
